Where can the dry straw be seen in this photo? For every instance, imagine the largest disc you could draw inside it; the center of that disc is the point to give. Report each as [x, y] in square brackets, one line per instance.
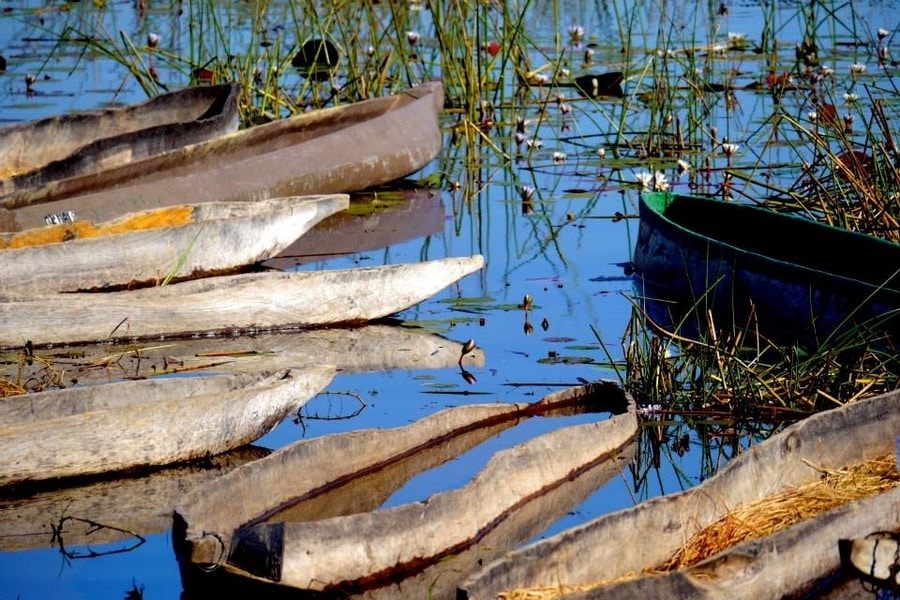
[759, 519]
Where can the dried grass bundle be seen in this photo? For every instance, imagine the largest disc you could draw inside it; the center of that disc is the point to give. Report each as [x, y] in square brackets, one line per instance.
[8, 388]
[779, 511]
[758, 519]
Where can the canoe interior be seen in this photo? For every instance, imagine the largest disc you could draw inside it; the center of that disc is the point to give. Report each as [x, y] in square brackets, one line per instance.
[55, 148]
[786, 238]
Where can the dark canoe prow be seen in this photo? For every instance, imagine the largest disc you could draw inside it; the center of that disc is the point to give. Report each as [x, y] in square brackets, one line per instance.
[605, 554]
[328, 511]
[340, 149]
[802, 280]
[56, 148]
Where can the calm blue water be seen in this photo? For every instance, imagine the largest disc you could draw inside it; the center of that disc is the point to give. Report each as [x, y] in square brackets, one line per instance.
[570, 266]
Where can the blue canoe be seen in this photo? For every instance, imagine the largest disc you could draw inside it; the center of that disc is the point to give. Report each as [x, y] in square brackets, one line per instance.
[799, 280]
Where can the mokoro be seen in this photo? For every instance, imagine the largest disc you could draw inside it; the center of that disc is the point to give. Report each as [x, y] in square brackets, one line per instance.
[789, 562]
[250, 302]
[334, 150]
[130, 425]
[106, 510]
[144, 248]
[375, 347]
[37, 153]
[371, 223]
[805, 280]
[301, 534]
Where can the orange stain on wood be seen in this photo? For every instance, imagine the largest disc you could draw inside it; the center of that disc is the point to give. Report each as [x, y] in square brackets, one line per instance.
[175, 216]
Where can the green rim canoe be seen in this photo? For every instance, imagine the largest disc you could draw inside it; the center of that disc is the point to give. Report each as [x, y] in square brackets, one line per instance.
[805, 280]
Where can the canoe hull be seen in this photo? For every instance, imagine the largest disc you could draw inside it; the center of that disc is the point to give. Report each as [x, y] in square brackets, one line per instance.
[583, 556]
[125, 426]
[88, 142]
[194, 240]
[800, 280]
[231, 304]
[334, 150]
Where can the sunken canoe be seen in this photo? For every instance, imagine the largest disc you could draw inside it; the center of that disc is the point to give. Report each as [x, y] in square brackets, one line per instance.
[229, 304]
[805, 280]
[370, 348]
[147, 247]
[128, 425]
[789, 562]
[339, 149]
[106, 510]
[38, 153]
[301, 534]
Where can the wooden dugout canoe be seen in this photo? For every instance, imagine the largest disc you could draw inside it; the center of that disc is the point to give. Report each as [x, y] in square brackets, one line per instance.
[229, 304]
[334, 150]
[288, 537]
[144, 248]
[129, 425]
[806, 280]
[37, 153]
[789, 562]
[375, 347]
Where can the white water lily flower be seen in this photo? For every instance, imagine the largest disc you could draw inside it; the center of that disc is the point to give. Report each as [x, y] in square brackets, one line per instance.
[660, 183]
[644, 179]
[576, 33]
[559, 157]
[857, 68]
[850, 97]
[728, 149]
[683, 166]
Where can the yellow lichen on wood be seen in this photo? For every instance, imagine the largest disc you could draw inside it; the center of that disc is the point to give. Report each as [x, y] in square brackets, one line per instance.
[175, 216]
